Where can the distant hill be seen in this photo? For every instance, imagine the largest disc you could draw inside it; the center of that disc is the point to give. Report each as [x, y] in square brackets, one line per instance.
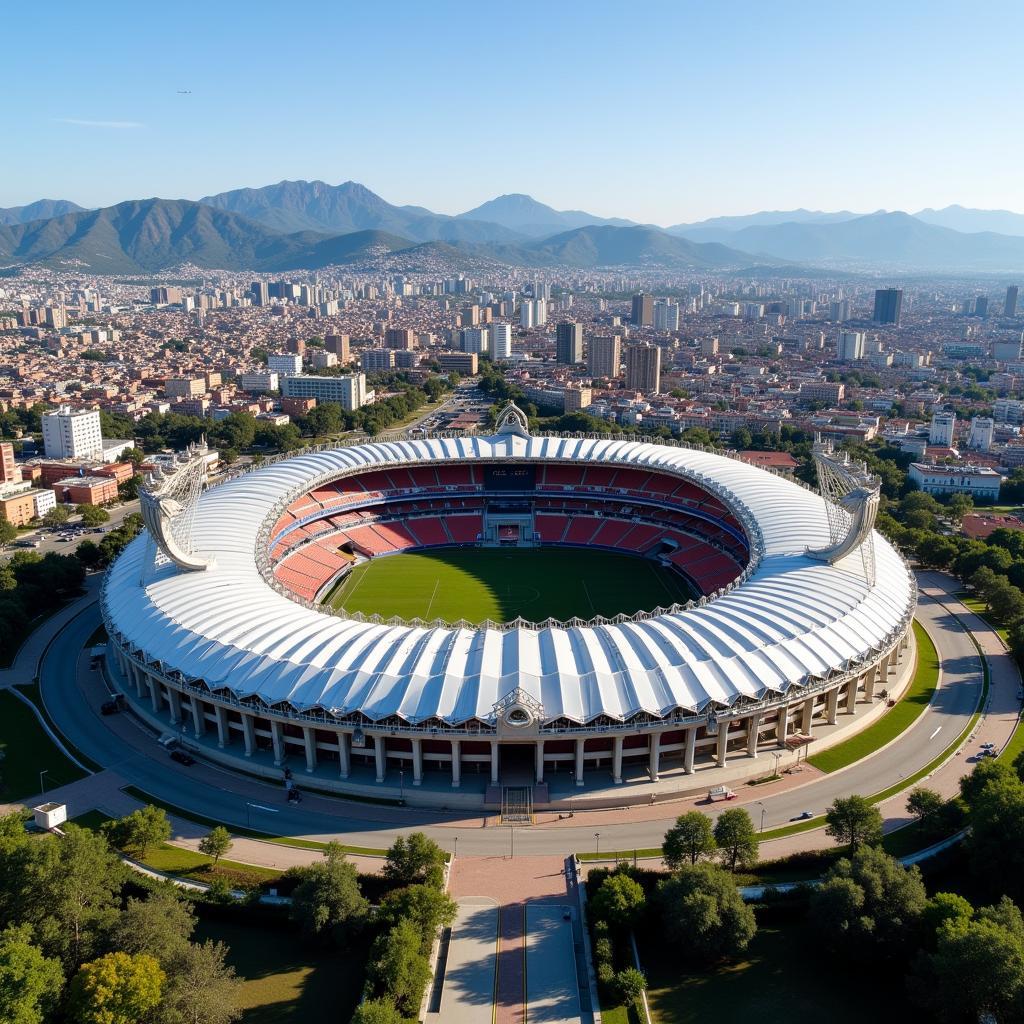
[883, 239]
[291, 206]
[524, 214]
[42, 209]
[963, 218]
[720, 229]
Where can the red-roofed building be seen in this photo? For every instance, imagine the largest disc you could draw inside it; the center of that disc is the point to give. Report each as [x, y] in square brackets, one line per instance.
[978, 526]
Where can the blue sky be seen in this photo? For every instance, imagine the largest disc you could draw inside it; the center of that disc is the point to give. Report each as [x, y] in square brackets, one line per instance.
[657, 111]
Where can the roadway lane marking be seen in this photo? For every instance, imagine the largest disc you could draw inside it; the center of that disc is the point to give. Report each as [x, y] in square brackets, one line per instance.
[936, 733]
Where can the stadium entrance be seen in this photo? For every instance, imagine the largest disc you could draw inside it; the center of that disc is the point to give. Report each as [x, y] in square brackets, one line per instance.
[517, 763]
[508, 524]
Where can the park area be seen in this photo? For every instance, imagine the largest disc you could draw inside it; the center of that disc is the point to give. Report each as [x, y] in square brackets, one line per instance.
[479, 584]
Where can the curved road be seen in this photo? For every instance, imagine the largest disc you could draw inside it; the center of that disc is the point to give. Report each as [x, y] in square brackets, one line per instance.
[121, 745]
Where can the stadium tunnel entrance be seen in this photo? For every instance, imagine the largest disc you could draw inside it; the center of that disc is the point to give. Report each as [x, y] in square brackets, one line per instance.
[517, 764]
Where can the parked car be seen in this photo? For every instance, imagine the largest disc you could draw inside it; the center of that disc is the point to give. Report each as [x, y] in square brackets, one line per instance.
[182, 758]
[803, 816]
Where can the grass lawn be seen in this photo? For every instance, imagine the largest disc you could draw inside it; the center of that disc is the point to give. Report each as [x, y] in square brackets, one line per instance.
[28, 751]
[199, 868]
[978, 606]
[784, 978]
[284, 981]
[489, 583]
[894, 721]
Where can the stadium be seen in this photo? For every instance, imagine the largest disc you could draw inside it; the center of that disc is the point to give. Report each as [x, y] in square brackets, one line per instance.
[473, 613]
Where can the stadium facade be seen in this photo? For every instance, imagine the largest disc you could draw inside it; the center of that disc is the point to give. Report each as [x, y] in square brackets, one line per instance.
[217, 630]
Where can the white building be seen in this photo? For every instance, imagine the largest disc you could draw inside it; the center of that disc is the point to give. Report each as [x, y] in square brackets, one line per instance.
[256, 382]
[285, 364]
[43, 500]
[501, 341]
[72, 433]
[941, 431]
[348, 390]
[476, 339]
[666, 315]
[980, 482]
[851, 346]
[1008, 410]
[983, 429]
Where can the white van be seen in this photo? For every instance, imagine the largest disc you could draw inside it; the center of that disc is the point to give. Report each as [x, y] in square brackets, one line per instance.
[720, 793]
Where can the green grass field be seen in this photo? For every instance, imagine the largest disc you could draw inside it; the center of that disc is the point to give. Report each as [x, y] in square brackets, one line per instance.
[489, 583]
[27, 751]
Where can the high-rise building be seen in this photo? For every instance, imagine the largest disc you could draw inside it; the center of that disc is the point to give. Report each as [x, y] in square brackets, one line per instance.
[839, 311]
[476, 339]
[983, 430]
[284, 364]
[9, 471]
[709, 346]
[643, 310]
[569, 343]
[604, 355]
[942, 429]
[399, 337]
[666, 315]
[888, 305]
[371, 359]
[851, 346]
[1010, 306]
[339, 345]
[348, 390]
[643, 368]
[72, 433]
[981, 305]
[501, 341]
[260, 293]
[526, 321]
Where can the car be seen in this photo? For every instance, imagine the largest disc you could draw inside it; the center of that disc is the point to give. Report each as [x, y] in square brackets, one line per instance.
[110, 707]
[182, 758]
[987, 746]
[803, 816]
[988, 753]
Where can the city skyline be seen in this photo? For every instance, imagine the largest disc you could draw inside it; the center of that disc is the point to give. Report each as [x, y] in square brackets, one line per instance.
[717, 127]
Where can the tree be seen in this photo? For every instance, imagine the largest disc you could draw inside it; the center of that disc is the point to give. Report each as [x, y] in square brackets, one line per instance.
[704, 913]
[93, 515]
[73, 884]
[619, 900]
[327, 896]
[415, 858]
[119, 988]
[56, 516]
[216, 844]
[377, 1011]
[959, 505]
[853, 820]
[160, 926]
[1005, 601]
[925, 804]
[425, 905]
[398, 966]
[88, 553]
[202, 988]
[30, 983]
[994, 795]
[7, 533]
[735, 836]
[869, 903]
[977, 970]
[630, 985]
[135, 833]
[689, 839]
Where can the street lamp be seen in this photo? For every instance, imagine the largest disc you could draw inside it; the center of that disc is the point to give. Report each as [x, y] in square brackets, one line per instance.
[763, 809]
[455, 852]
[42, 786]
[512, 842]
[401, 785]
[597, 845]
[777, 755]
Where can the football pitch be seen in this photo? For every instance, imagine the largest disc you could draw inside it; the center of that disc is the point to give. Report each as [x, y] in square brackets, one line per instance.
[492, 583]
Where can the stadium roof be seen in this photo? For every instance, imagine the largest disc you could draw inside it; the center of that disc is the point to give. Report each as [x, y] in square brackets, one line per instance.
[794, 619]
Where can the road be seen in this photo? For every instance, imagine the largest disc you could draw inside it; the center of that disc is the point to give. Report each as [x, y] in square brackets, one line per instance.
[123, 746]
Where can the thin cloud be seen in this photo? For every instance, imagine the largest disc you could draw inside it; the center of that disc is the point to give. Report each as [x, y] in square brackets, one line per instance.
[82, 123]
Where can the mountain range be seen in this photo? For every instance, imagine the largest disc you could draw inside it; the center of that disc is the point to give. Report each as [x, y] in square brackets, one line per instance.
[310, 224]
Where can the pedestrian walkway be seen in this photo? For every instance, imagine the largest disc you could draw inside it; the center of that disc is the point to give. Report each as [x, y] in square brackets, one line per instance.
[467, 986]
[552, 992]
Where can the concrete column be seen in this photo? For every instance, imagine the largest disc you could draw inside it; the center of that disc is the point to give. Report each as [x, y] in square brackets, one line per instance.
[851, 695]
[876, 673]
[198, 717]
[753, 730]
[174, 699]
[136, 674]
[722, 747]
[691, 749]
[617, 760]
[223, 734]
[344, 755]
[494, 762]
[380, 756]
[540, 761]
[154, 695]
[782, 726]
[654, 755]
[807, 716]
[579, 762]
[277, 738]
[832, 707]
[309, 738]
[417, 762]
[249, 733]
[456, 764]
